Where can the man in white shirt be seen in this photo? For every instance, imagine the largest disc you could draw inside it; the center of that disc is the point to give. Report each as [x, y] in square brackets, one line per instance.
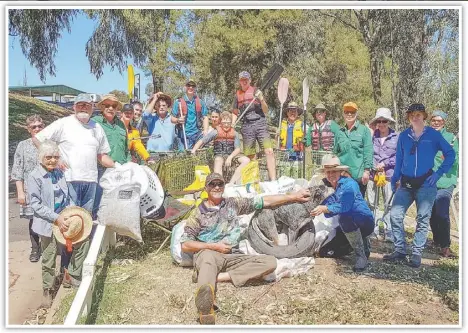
[82, 143]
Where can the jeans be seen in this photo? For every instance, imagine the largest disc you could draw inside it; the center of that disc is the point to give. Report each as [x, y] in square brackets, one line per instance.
[99, 190]
[440, 218]
[387, 194]
[82, 195]
[424, 198]
[191, 139]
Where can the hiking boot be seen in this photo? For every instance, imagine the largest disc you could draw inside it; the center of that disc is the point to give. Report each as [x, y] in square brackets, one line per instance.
[69, 281]
[357, 243]
[35, 255]
[394, 256]
[447, 253]
[204, 300]
[46, 298]
[415, 261]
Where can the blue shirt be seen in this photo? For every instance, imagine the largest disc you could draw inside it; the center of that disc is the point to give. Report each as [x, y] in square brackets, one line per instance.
[415, 162]
[191, 122]
[348, 200]
[158, 126]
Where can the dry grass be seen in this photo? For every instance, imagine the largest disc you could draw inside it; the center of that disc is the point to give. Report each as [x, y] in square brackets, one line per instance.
[134, 286]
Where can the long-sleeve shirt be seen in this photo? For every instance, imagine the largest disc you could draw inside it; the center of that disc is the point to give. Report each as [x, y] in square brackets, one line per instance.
[354, 149]
[385, 152]
[415, 162]
[117, 137]
[451, 177]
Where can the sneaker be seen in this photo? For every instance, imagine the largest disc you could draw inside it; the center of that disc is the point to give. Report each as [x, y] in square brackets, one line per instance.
[46, 298]
[415, 261]
[447, 253]
[34, 256]
[204, 301]
[394, 256]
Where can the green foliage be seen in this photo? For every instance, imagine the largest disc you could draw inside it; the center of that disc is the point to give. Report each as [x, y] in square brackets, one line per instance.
[121, 95]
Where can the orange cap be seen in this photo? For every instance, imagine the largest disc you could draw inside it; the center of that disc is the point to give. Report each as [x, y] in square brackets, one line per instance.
[350, 106]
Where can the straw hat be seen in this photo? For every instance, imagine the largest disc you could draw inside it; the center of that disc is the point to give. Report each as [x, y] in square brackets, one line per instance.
[80, 226]
[293, 106]
[383, 113]
[110, 97]
[332, 163]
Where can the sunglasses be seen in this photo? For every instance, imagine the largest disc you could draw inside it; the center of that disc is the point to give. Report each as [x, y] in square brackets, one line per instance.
[350, 113]
[109, 105]
[216, 184]
[48, 158]
[381, 121]
[36, 126]
[437, 121]
[190, 86]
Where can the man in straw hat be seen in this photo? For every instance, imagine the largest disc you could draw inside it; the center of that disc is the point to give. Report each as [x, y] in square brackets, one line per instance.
[354, 146]
[116, 134]
[291, 136]
[159, 124]
[440, 218]
[384, 141]
[355, 217]
[49, 196]
[212, 231]
[191, 111]
[417, 148]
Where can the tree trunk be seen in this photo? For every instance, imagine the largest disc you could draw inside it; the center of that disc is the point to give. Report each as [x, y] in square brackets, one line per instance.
[375, 77]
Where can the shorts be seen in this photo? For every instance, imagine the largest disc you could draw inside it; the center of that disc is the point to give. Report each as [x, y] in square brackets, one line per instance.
[255, 131]
[235, 159]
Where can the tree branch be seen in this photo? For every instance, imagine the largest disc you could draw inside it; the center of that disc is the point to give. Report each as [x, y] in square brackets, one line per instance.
[349, 25]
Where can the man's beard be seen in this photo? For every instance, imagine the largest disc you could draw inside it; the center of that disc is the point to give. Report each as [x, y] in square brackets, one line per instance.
[83, 117]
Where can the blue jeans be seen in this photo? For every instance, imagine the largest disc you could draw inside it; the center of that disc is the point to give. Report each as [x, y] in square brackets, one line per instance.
[424, 198]
[191, 139]
[440, 218]
[82, 195]
[99, 190]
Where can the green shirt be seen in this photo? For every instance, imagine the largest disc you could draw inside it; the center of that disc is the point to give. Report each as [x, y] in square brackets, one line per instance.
[117, 137]
[354, 148]
[450, 178]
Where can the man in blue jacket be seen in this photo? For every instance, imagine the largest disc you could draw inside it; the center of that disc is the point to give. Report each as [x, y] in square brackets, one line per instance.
[417, 147]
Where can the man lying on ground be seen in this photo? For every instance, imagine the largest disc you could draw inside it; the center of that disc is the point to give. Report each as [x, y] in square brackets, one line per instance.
[212, 232]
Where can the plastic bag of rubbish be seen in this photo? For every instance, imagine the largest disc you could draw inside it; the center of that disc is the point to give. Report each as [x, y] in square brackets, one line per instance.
[281, 186]
[182, 258]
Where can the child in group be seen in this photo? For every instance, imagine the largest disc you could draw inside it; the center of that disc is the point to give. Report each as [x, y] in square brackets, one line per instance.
[226, 147]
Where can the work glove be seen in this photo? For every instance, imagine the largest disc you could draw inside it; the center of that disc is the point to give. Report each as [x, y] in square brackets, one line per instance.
[433, 179]
[259, 95]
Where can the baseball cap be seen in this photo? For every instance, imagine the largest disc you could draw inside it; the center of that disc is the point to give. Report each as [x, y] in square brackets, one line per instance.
[213, 176]
[350, 106]
[83, 98]
[416, 107]
[190, 82]
[244, 75]
[127, 107]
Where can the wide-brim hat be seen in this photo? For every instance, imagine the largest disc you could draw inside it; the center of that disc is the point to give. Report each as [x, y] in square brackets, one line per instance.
[384, 113]
[292, 106]
[332, 163]
[165, 97]
[320, 106]
[110, 97]
[79, 228]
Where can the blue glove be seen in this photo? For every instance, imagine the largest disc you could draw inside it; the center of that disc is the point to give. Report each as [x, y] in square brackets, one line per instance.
[393, 184]
[432, 180]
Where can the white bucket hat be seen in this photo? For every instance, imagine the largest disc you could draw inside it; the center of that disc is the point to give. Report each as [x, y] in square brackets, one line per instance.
[332, 163]
[383, 113]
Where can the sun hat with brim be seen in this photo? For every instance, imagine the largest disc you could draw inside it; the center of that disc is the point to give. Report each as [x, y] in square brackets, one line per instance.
[293, 106]
[191, 82]
[79, 228]
[383, 113]
[332, 163]
[350, 106]
[110, 97]
[167, 98]
[320, 107]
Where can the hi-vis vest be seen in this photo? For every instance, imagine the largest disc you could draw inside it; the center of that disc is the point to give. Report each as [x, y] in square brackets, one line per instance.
[322, 136]
[224, 141]
[198, 109]
[243, 100]
[298, 134]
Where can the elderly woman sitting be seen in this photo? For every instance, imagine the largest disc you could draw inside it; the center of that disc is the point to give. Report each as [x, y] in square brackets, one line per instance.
[48, 196]
[355, 218]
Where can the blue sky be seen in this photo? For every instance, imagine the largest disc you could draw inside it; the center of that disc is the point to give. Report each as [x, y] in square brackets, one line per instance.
[72, 66]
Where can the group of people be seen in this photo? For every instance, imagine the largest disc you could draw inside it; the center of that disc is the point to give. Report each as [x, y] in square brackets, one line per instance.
[61, 164]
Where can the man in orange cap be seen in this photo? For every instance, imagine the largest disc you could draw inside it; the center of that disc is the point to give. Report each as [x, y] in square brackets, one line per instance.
[354, 147]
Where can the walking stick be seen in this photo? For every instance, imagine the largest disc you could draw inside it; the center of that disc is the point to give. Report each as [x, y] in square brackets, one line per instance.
[283, 87]
[183, 127]
[270, 77]
[305, 99]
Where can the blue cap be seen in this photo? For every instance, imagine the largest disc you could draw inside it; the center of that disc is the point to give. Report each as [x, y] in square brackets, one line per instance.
[416, 107]
[244, 75]
[83, 98]
[441, 114]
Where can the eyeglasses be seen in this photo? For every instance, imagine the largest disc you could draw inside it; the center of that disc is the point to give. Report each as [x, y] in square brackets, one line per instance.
[216, 184]
[350, 113]
[36, 126]
[83, 105]
[381, 121]
[48, 158]
[114, 106]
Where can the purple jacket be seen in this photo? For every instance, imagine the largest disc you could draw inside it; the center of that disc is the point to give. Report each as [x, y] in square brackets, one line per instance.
[385, 153]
